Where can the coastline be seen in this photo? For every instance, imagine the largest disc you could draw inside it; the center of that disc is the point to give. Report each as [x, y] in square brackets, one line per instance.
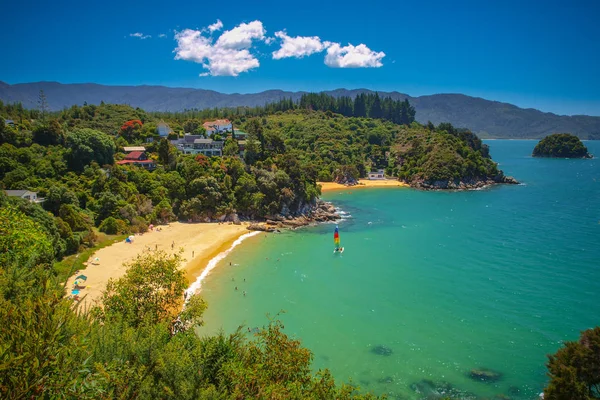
[204, 241]
[362, 183]
[204, 265]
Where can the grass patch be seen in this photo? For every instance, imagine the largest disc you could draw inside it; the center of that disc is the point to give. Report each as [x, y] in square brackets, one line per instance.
[74, 262]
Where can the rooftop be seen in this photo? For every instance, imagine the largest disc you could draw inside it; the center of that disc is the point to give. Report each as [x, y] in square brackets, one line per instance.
[134, 148]
[134, 155]
[18, 193]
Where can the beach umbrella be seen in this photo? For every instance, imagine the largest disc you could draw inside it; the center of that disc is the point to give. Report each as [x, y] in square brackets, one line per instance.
[82, 277]
[128, 240]
[151, 226]
[131, 238]
[75, 291]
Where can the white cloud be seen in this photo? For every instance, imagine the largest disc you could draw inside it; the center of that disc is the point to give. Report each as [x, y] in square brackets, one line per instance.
[232, 53]
[217, 26]
[162, 35]
[352, 56]
[228, 56]
[241, 36]
[139, 35]
[298, 46]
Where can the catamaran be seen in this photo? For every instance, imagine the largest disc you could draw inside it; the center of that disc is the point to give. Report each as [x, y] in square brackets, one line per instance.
[336, 241]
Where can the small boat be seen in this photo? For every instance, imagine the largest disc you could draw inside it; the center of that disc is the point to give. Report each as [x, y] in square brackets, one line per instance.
[336, 241]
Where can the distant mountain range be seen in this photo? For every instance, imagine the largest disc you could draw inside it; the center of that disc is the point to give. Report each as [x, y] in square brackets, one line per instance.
[489, 119]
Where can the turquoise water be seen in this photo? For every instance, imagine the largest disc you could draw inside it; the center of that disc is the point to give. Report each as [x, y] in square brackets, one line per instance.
[494, 278]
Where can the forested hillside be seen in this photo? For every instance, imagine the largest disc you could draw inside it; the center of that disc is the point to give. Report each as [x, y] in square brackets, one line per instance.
[484, 117]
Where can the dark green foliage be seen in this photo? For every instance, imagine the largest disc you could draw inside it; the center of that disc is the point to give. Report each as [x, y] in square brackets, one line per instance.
[87, 145]
[443, 155]
[365, 105]
[574, 370]
[50, 134]
[561, 145]
[113, 226]
[107, 118]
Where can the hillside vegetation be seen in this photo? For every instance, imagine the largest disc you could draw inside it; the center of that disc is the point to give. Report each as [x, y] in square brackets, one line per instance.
[488, 119]
[69, 159]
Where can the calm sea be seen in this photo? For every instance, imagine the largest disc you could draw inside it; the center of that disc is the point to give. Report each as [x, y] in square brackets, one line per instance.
[432, 284]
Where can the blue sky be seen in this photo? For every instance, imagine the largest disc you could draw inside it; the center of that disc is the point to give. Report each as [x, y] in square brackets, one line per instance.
[544, 55]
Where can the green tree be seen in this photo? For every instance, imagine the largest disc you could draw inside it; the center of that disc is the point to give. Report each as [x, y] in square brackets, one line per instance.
[43, 106]
[87, 145]
[574, 370]
[150, 292]
[22, 241]
[167, 154]
[50, 134]
[231, 147]
[57, 196]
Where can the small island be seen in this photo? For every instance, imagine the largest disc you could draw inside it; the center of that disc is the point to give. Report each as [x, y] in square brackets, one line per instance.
[561, 145]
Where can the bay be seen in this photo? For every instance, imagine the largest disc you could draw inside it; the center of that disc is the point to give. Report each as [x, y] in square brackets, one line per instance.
[432, 284]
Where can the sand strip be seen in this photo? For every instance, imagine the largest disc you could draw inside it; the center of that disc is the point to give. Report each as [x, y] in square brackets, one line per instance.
[362, 183]
[200, 243]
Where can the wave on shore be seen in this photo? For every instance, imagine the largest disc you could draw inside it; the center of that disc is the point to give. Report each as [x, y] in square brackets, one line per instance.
[195, 287]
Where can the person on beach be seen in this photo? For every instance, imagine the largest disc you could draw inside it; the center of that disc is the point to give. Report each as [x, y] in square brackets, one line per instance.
[155, 247]
[172, 245]
[192, 253]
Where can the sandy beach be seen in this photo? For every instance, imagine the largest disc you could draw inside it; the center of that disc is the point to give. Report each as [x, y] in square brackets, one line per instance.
[200, 243]
[362, 183]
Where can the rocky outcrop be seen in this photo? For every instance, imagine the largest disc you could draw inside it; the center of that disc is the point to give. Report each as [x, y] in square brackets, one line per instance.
[320, 211]
[463, 184]
[485, 375]
[261, 227]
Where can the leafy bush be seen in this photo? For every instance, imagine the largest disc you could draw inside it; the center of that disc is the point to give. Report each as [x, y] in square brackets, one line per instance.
[113, 226]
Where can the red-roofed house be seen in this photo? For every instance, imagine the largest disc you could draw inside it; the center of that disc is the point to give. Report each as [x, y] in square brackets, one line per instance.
[217, 126]
[139, 159]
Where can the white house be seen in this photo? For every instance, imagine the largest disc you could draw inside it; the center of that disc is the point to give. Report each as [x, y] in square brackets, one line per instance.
[195, 144]
[217, 126]
[379, 174]
[24, 194]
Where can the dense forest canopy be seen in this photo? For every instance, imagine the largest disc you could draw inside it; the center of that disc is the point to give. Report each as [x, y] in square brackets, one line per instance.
[561, 145]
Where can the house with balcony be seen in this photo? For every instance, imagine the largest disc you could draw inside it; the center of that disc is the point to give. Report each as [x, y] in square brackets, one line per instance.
[218, 126]
[138, 159]
[240, 135]
[377, 175]
[25, 194]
